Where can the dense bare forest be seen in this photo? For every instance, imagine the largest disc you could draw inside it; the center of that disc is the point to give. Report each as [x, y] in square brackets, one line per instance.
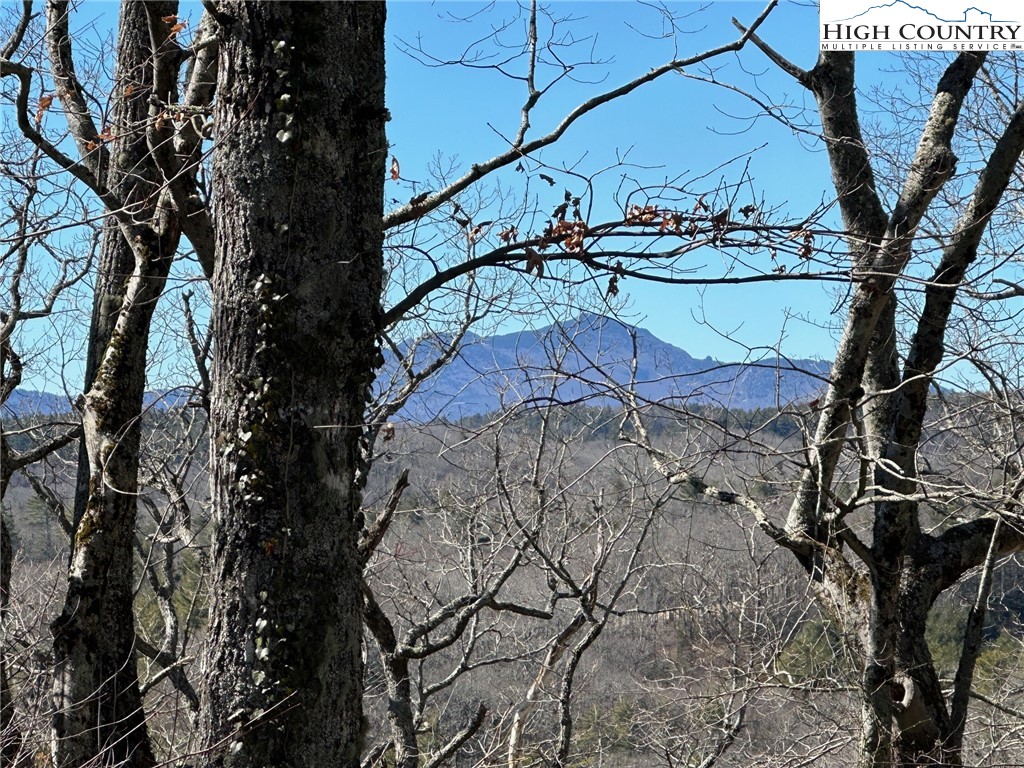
[302, 552]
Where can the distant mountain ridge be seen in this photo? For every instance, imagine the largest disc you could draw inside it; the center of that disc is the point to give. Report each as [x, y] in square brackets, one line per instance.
[580, 360]
[575, 361]
[31, 402]
[25, 402]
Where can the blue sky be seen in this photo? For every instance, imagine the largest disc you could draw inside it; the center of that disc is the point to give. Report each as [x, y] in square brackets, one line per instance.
[671, 127]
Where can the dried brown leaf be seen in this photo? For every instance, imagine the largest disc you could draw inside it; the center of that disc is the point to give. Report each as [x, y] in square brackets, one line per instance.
[44, 104]
[534, 261]
[508, 235]
[613, 287]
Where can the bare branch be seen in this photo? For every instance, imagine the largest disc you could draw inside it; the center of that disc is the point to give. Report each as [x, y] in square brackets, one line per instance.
[372, 537]
[11, 46]
[415, 210]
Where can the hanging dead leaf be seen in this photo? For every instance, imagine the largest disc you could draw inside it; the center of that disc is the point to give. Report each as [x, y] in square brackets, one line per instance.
[129, 90]
[548, 179]
[534, 261]
[746, 210]
[44, 104]
[720, 220]
[508, 235]
[91, 145]
[613, 287]
[396, 172]
[672, 221]
[700, 205]
[636, 214]
[478, 230]
[807, 248]
[172, 19]
[178, 27]
[574, 243]
[571, 234]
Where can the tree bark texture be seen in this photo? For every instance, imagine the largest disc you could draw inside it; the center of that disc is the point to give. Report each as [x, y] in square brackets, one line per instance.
[99, 718]
[10, 740]
[881, 600]
[298, 200]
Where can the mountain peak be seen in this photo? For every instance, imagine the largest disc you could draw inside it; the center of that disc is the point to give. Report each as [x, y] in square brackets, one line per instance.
[583, 360]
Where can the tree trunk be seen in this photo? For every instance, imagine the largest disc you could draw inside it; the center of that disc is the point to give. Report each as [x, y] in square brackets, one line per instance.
[298, 195]
[10, 740]
[906, 719]
[99, 715]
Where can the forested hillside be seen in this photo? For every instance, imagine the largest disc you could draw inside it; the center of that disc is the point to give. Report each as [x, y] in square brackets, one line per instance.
[331, 435]
[708, 642]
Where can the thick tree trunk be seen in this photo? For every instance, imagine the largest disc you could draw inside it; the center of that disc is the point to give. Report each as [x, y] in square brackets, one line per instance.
[99, 714]
[918, 704]
[298, 196]
[906, 718]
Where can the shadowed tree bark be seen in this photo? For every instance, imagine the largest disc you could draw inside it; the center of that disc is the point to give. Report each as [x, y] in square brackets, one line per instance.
[298, 192]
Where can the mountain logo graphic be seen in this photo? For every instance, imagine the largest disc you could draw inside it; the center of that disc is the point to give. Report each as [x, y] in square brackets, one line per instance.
[963, 17]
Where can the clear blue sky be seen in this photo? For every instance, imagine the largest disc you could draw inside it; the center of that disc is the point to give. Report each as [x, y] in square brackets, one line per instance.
[672, 126]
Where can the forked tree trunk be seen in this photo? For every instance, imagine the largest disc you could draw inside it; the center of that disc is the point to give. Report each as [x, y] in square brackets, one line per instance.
[99, 718]
[298, 198]
[883, 602]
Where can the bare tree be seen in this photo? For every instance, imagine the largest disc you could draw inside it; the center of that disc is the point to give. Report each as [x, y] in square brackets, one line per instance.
[866, 477]
[145, 180]
[28, 228]
[298, 332]
[293, 369]
[141, 164]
